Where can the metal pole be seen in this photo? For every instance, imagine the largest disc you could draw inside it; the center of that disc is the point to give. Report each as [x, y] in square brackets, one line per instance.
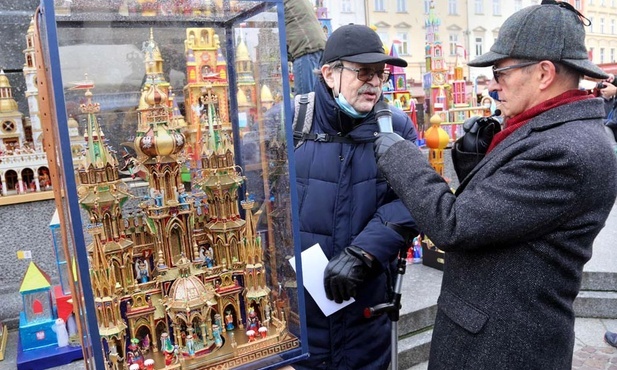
[394, 361]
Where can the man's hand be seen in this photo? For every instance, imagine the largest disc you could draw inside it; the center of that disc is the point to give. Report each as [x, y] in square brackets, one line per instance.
[345, 272]
[609, 91]
[479, 132]
[384, 141]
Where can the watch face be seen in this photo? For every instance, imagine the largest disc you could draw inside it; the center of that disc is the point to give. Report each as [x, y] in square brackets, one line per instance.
[439, 79]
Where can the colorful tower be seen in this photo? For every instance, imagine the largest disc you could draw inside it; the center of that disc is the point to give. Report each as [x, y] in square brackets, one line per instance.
[105, 283]
[102, 194]
[206, 71]
[220, 181]
[256, 292]
[38, 316]
[435, 64]
[322, 15]
[32, 91]
[247, 88]
[12, 134]
[78, 143]
[44, 340]
[158, 143]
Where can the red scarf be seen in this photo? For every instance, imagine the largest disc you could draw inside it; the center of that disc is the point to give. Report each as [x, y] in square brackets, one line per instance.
[520, 120]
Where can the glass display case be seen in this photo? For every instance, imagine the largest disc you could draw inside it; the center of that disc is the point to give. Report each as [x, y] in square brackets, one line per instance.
[169, 130]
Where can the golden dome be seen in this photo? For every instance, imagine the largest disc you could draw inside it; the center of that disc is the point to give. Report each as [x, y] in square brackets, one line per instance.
[142, 99]
[160, 141]
[242, 52]
[72, 122]
[187, 293]
[8, 105]
[4, 81]
[266, 94]
[436, 137]
[242, 100]
[155, 95]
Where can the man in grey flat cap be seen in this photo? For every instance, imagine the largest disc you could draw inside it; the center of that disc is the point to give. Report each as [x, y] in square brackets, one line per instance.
[532, 199]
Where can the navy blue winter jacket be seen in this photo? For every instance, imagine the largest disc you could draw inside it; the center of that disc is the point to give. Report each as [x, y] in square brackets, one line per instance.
[344, 201]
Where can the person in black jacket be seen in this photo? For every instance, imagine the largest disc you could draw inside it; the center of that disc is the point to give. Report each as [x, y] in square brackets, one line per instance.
[346, 206]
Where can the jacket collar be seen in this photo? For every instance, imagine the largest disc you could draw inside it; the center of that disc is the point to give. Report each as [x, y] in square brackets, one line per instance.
[589, 109]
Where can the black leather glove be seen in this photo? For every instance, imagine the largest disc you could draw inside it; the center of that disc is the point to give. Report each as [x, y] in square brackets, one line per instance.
[344, 272]
[384, 141]
[479, 132]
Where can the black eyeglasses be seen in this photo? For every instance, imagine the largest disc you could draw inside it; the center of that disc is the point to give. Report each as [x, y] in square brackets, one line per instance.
[498, 72]
[366, 74]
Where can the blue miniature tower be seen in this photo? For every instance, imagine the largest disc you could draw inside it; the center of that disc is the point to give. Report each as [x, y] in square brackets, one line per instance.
[61, 259]
[37, 318]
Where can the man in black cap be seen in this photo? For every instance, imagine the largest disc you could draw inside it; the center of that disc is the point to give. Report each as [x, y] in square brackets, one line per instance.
[521, 225]
[346, 206]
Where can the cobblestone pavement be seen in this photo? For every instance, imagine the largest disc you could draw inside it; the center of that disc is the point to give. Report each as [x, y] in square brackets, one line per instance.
[591, 352]
[593, 358]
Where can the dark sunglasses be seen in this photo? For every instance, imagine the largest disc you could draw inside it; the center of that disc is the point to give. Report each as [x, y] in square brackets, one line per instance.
[366, 74]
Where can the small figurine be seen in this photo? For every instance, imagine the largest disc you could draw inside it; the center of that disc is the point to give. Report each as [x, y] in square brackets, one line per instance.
[145, 343]
[217, 336]
[133, 354]
[114, 357]
[182, 197]
[158, 198]
[190, 346]
[251, 334]
[61, 333]
[253, 321]
[142, 270]
[168, 349]
[218, 322]
[263, 331]
[229, 320]
[149, 364]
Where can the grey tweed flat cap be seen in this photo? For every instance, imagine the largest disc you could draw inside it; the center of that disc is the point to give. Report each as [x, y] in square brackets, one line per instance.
[542, 32]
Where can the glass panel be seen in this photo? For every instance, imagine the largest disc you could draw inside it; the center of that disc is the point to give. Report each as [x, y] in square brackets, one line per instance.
[181, 171]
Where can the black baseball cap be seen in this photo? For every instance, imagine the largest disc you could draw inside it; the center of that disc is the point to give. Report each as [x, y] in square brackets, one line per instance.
[359, 44]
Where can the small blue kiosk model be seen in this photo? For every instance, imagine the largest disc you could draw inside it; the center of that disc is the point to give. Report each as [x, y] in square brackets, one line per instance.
[43, 337]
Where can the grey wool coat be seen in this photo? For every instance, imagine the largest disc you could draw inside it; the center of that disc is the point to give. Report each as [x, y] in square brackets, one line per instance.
[516, 235]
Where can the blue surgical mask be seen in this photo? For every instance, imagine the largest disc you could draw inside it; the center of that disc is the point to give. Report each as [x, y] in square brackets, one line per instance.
[347, 108]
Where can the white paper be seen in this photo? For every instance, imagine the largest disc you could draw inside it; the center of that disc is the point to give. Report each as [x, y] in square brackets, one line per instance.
[314, 263]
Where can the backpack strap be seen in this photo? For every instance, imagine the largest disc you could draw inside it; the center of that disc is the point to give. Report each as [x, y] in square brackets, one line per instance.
[304, 106]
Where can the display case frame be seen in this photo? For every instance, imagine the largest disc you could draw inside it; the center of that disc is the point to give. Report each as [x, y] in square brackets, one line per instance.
[220, 159]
